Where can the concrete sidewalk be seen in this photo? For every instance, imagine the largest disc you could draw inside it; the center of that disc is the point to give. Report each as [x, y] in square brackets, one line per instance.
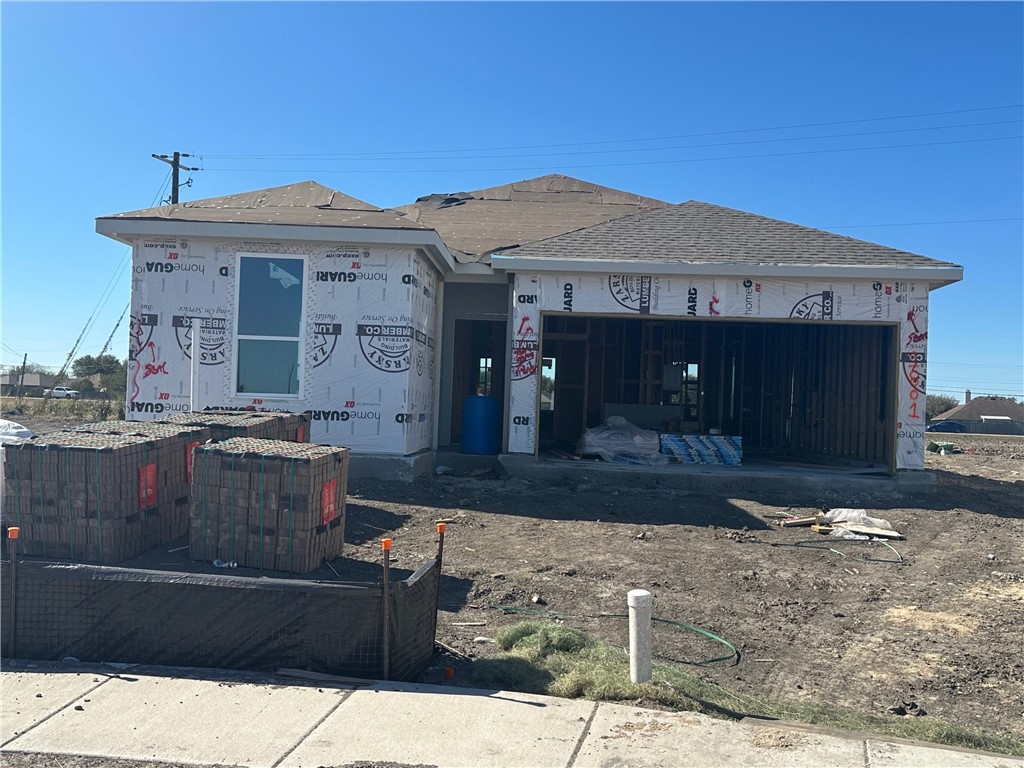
[210, 717]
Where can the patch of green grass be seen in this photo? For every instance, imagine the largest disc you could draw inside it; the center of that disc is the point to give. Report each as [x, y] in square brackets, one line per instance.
[543, 657]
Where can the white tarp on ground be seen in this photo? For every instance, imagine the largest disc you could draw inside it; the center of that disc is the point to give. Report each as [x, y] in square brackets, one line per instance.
[888, 302]
[12, 432]
[370, 318]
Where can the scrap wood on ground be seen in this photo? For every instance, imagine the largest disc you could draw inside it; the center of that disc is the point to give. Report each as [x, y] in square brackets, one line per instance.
[842, 522]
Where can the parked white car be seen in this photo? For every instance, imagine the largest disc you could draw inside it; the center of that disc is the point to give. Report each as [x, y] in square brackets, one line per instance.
[62, 393]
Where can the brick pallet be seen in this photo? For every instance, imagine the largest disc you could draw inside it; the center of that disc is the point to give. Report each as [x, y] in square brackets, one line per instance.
[263, 425]
[101, 493]
[268, 504]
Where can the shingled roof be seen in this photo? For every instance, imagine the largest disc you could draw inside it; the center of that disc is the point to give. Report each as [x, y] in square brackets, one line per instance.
[701, 233]
[474, 224]
[984, 406]
[305, 203]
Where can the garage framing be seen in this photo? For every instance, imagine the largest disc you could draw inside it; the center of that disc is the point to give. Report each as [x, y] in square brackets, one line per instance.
[816, 392]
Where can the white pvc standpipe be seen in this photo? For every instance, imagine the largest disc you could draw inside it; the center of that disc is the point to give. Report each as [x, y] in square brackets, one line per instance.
[639, 601]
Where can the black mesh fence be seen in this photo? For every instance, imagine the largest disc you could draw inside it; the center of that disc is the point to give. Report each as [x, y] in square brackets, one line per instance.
[106, 614]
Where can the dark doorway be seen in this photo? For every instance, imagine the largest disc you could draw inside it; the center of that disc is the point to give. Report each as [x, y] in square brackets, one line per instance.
[478, 365]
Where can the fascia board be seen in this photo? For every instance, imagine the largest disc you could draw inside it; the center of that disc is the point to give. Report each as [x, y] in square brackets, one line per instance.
[936, 277]
[124, 229]
[475, 273]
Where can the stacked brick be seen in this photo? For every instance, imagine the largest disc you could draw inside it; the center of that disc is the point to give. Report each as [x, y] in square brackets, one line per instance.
[103, 492]
[263, 425]
[268, 504]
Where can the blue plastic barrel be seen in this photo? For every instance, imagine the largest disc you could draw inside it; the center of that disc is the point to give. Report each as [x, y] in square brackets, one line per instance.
[480, 425]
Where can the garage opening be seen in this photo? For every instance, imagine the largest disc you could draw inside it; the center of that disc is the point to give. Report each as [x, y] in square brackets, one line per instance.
[816, 393]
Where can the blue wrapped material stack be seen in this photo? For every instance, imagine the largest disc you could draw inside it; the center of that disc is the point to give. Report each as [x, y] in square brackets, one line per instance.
[704, 449]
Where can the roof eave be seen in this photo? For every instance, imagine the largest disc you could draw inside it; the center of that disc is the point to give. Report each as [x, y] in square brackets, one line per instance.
[936, 277]
[125, 230]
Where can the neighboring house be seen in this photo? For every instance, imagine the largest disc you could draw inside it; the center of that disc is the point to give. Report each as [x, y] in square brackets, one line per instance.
[987, 415]
[688, 318]
[31, 384]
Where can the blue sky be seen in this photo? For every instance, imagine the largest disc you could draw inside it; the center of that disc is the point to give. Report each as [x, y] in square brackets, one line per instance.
[266, 94]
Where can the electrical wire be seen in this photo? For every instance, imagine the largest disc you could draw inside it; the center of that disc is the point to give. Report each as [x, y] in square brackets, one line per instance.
[618, 165]
[631, 140]
[925, 223]
[683, 146]
[104, 298]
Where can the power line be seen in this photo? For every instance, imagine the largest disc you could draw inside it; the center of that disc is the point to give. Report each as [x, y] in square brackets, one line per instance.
[614, 165]
[631, 140]
[175, 162]
[977, 365]
[646, 149]
[925, 223]
[99, 307]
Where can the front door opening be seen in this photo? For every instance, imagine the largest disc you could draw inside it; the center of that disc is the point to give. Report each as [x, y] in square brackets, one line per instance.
[479, 364]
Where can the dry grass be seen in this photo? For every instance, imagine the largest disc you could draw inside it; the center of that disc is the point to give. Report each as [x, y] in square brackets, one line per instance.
[73, 410]
[554, 659]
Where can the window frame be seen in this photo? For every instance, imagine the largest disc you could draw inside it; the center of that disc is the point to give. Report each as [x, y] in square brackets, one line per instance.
[300, 339]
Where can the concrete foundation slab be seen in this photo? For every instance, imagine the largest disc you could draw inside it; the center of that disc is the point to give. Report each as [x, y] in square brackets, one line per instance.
[721, 479]
[626, 737]
[29, 697]
[190, 721]
[446, 727]
[383, 466]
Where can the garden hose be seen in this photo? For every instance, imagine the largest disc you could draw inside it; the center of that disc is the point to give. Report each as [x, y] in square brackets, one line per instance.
[816, 544]
[734, 656]
[823, 545]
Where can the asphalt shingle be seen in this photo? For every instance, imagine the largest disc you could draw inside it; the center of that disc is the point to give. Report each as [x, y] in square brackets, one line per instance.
[701, 233]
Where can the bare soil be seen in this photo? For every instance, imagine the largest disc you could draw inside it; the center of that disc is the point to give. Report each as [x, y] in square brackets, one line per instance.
[944, 629]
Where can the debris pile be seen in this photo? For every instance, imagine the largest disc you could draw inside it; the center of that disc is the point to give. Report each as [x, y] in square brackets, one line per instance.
[846, 524]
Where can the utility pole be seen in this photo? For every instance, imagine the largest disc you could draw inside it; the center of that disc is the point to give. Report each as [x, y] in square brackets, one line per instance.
[21, 381]
[175, 162]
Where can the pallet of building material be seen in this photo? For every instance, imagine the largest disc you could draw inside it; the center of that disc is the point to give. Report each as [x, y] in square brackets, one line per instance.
[703, 449]
[186, 436]
[264, 425]
[97, 496]
[268, 504]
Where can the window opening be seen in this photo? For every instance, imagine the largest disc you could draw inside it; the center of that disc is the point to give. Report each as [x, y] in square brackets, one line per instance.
[547, 384]
[484, 379]
[269, 324]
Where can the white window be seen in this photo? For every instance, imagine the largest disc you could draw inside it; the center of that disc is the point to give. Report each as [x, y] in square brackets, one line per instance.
[269, 323]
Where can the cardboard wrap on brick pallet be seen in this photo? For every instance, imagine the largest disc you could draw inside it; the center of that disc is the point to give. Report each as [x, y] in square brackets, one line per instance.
[103, 492]
[268, 504]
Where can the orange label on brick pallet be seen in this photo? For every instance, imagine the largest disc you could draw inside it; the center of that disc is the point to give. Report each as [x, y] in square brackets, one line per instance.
[300, 435]
[330, 499]
[147, 486]
[188, 459]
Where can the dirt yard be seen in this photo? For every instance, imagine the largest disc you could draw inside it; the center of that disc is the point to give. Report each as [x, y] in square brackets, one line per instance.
[943, 630]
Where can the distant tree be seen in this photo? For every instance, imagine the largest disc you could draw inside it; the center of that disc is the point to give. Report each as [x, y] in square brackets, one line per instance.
[116, 382]
[87, 365]
[936, 404]
[15, 368]
[82, 385]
